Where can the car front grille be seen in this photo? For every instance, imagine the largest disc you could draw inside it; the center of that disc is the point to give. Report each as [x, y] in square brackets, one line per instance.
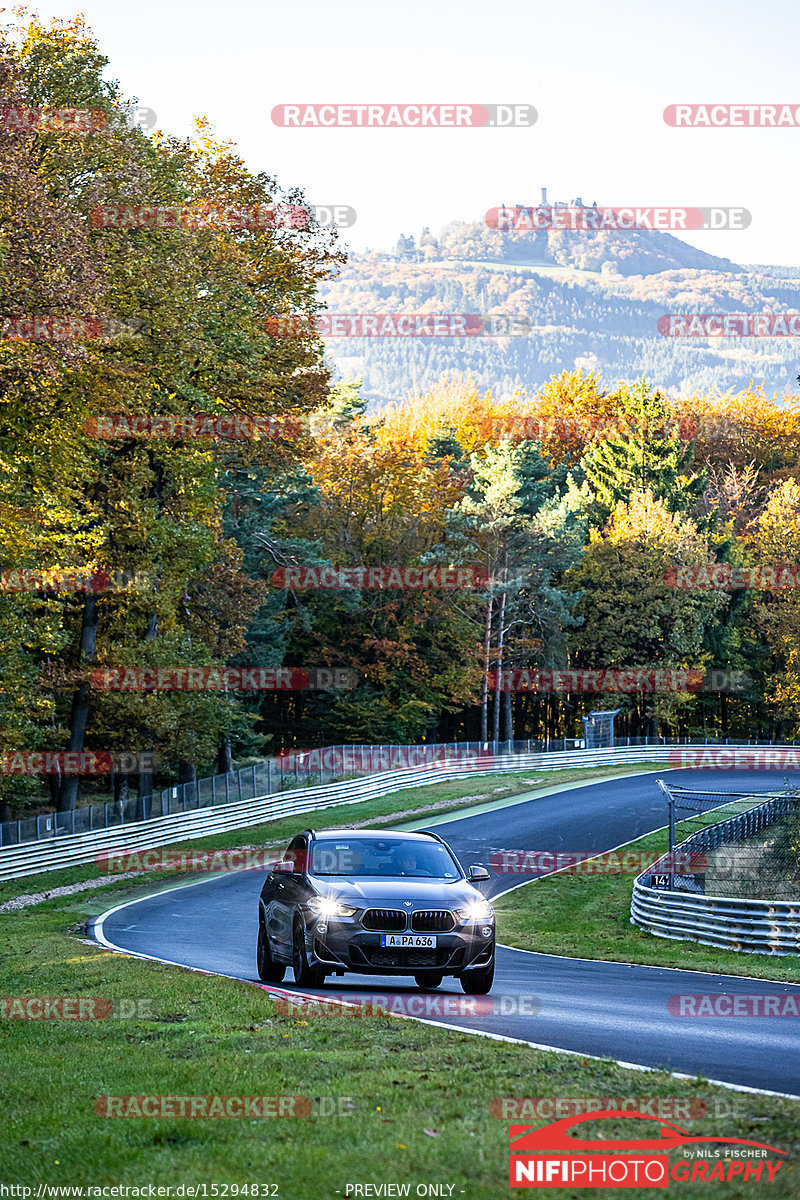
[389, 920]
[433, 920]
[379, 956]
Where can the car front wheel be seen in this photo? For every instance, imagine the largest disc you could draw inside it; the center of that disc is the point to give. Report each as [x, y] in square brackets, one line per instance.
[478, 983]
[268, 969]
[304, 974]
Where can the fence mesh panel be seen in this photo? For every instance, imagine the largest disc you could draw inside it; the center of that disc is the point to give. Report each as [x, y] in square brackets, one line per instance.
[733, 844]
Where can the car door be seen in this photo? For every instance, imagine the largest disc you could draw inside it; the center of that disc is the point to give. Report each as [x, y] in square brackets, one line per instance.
[285, 893]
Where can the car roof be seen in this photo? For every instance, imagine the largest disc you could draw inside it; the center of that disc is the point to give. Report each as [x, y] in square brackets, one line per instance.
[373, 834]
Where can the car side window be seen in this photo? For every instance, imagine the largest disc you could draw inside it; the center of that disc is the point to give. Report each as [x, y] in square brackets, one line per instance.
[297, 853]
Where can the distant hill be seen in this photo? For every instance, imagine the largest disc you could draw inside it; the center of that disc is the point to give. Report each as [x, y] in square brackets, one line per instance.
[593, 300]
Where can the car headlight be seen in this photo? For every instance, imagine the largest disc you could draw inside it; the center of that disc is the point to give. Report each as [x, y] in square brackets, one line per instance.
[478, 910]
[323, 907]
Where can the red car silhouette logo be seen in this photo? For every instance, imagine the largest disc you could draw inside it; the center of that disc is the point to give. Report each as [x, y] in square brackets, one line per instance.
[526, 1138]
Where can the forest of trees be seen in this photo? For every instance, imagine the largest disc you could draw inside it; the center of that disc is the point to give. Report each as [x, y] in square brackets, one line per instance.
[575, 501]
[591, 298]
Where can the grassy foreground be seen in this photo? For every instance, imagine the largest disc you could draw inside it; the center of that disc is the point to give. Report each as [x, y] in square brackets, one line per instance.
[408, 1103]
[415, 1101]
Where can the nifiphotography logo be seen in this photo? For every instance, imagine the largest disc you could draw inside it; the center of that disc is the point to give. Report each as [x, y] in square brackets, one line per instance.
[546, 1157]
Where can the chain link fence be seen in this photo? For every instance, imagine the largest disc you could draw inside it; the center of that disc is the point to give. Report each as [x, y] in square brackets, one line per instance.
[739, 845]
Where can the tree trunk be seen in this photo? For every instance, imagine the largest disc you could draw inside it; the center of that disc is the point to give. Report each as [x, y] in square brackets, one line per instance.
[500, 641]
[145, 776]
[121, 792]
[508, 717]
[187, 772]
[79, 715]
[487, 642]
[224, 758]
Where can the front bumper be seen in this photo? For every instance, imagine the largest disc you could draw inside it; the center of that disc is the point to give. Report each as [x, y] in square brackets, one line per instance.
[348, 947]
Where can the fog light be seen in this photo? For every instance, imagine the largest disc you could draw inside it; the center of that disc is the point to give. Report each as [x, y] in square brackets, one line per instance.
[487, 931]
[322, 929]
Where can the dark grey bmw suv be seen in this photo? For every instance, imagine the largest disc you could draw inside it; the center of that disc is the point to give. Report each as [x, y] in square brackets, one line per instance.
[375, 903]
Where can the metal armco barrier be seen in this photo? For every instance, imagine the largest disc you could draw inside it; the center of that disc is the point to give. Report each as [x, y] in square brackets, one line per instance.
[79, 849]
[733, 923]
[328, 764]
[18, 861]
[754, 926]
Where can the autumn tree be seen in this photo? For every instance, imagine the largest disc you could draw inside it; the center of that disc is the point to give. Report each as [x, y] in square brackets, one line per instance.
[632, 615]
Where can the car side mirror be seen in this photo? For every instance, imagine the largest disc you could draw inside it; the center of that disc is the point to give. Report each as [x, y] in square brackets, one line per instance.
[284, 867]
[478, 874]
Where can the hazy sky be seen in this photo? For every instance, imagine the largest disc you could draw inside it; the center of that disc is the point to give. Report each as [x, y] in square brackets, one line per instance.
[599, 72]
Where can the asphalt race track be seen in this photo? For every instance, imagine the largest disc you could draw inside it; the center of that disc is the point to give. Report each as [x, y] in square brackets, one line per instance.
[597, 1008]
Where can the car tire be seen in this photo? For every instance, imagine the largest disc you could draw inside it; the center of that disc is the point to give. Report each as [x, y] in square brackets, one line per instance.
[304, 974]
[478, 983]
[428, 982]
[268, 970]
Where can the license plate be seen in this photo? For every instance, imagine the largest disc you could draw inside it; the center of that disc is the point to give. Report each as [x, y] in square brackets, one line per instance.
[408, 939]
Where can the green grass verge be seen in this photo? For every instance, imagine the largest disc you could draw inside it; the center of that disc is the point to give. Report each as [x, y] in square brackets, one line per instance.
[421, 1095]
[588, 916]
[406, 805]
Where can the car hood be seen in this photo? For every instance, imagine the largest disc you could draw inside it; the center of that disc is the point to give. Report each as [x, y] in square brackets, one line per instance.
[423, 893]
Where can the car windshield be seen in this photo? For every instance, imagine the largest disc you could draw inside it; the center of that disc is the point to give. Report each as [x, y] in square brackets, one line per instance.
[383, 857]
